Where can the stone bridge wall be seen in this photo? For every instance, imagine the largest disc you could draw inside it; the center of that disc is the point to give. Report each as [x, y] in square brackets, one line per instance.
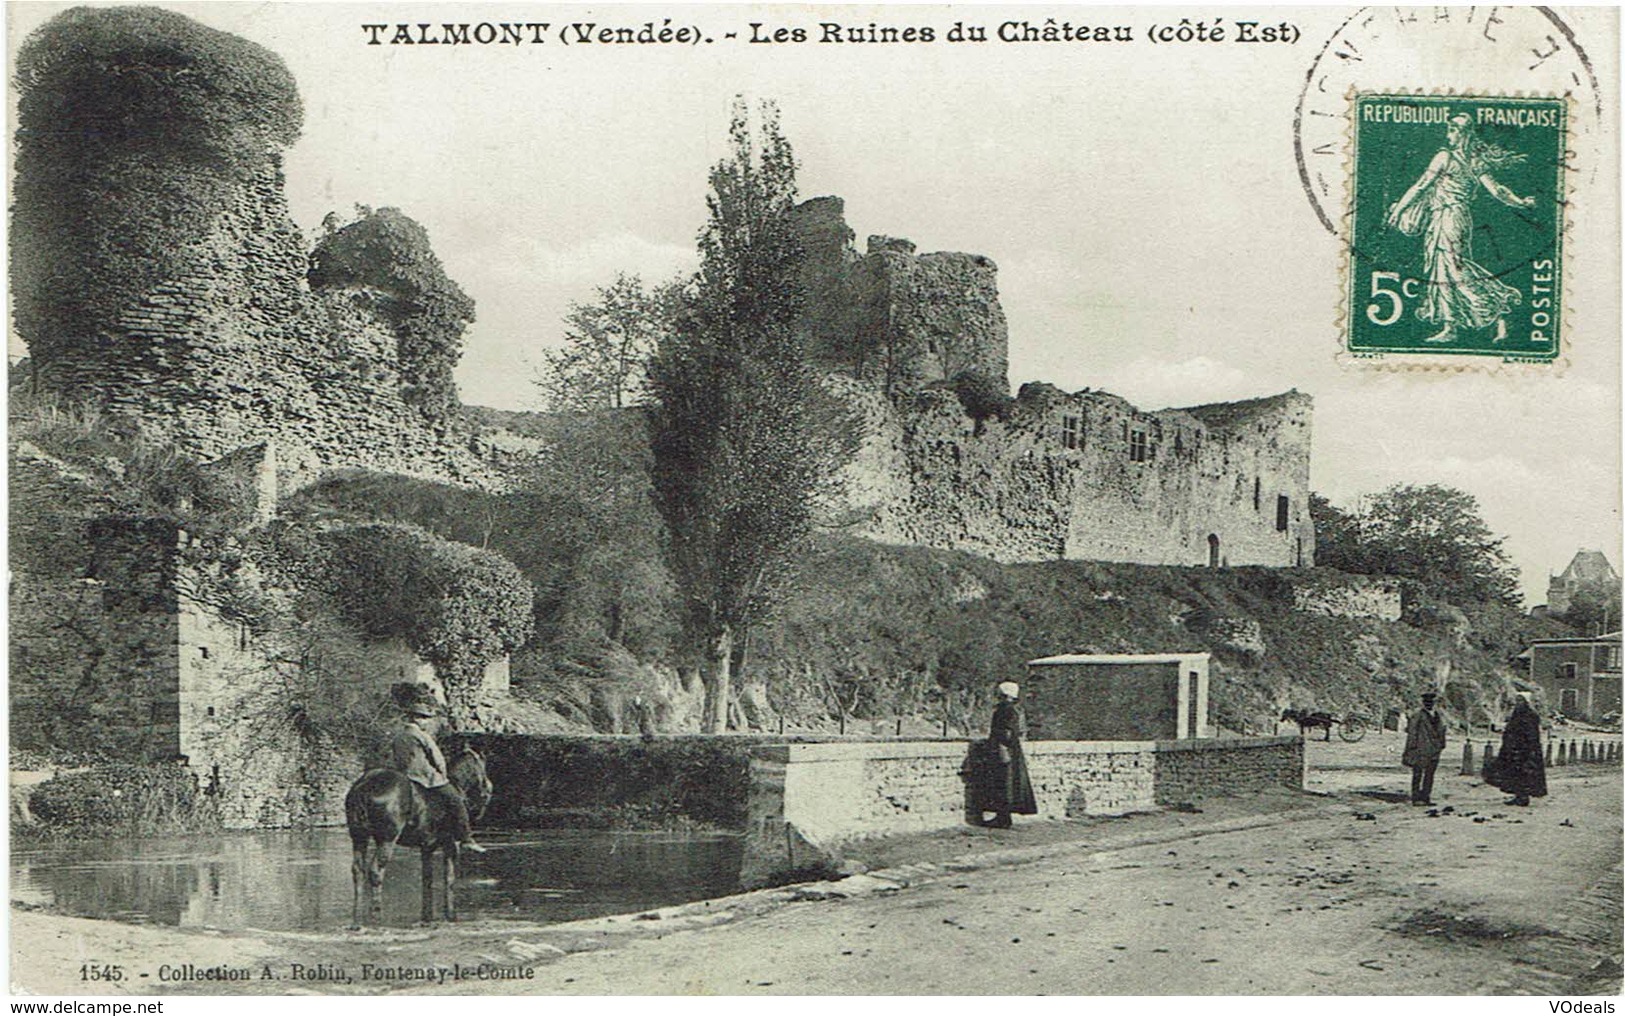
[807, 799]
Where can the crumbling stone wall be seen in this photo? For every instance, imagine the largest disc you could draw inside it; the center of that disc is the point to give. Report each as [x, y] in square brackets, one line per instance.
[1087, 476]
[1351, 596]
[891, 316]
[1083, 475]
[159, 275]
[241, 730]
[1222, 484]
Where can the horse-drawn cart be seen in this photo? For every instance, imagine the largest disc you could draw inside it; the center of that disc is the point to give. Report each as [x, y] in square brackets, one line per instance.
[1350, 727]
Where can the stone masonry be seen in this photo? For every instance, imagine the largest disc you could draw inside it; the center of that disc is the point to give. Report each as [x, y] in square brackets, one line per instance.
[1084, 475]
[892, 317]
[807, 799]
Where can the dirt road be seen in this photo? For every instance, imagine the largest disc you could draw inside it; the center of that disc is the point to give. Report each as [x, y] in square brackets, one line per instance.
[1485, 899]
[1353, 896]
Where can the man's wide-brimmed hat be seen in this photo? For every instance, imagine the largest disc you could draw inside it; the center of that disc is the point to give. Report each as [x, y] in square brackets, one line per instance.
[415, 700]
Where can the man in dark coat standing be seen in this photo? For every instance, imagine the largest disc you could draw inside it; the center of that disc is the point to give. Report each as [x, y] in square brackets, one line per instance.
[1424, 743]
[1520, 769]
[1009, 789]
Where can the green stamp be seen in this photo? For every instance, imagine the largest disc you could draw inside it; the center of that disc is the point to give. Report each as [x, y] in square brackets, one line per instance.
[1456, 226]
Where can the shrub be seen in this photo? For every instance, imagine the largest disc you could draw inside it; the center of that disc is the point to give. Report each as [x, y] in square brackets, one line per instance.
[456, 606]
[143, 799]
[983, 396]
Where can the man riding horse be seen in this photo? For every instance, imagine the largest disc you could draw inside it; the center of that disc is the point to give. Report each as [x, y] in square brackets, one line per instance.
[414, 753]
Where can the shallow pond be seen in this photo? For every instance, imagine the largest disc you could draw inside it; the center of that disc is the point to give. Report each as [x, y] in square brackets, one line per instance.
[288, 880]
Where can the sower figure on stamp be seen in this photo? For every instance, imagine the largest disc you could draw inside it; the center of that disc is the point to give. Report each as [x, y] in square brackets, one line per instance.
[1520, 769]
[415, 754]
[1009, 789]
[1459, 292]
[1424, 743]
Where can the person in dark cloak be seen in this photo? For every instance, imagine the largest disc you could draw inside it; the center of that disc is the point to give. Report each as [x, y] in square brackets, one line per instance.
[1424, 743]
[1009, 788]
[1520, 768]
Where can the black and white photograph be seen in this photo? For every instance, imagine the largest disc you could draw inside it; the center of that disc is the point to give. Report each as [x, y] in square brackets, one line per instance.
[904, 500]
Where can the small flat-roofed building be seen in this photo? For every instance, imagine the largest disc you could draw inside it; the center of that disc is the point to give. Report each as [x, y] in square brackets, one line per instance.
[1117, 697]
[1580, 676]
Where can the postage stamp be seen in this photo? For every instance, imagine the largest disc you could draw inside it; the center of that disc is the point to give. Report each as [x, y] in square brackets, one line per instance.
[1455, 231]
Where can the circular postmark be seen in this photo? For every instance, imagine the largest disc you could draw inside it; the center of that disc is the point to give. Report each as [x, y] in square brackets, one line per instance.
[1504, 50]
[1440, 146]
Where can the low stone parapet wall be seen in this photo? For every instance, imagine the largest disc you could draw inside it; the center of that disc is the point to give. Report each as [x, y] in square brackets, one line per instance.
[1192, 770]
[807, 799]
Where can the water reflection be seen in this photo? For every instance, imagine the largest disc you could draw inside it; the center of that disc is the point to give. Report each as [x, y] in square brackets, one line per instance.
[300, 880]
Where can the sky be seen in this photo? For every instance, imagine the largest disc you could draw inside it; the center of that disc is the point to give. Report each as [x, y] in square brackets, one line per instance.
[1142, 203]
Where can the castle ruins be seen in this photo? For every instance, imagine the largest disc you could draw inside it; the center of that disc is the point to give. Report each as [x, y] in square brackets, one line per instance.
[188, 308]
[1079, 476]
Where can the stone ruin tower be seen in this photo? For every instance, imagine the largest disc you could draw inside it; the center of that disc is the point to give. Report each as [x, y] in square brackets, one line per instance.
[1081, 475]
[156, 272]
[892, 317]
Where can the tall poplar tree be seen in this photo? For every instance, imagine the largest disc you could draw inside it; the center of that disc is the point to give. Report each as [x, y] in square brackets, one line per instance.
[736, 469]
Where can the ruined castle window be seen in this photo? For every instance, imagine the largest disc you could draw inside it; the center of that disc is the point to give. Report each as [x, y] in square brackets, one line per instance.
[1569, 672]
[209, 711]
[1072, 432]
[1136, 446]
[1282, 508]
[1257, 492]
[204, 650]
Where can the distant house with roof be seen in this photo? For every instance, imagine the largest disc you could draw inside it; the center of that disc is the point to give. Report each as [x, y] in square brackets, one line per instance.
[1580, 675]
[1589, 569]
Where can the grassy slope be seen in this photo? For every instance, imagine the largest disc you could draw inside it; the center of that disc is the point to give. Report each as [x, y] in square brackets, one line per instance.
[898, 604]
[885, 622]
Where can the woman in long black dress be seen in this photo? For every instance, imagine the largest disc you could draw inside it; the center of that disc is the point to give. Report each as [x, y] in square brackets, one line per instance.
[1009, 788]
[1520, 769]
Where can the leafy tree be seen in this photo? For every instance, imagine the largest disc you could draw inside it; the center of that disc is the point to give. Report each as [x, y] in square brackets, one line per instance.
[602, 589]
[737, 467]
[1594, 608]
[1434, 535]
[456, 606]
[607, 345]
[1337, 536]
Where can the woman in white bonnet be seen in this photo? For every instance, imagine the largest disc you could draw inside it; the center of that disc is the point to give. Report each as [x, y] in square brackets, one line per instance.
[1009, 789]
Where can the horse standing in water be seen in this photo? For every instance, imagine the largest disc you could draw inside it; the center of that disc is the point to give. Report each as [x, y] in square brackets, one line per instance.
[384, 809]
